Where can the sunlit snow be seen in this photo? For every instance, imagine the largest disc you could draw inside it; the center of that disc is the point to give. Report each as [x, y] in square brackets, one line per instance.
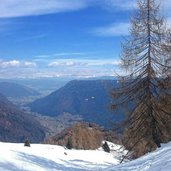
[40, 157]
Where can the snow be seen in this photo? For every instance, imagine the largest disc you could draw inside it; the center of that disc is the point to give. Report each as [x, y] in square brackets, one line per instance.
[41, 157]
[159, 160]
[16, 157]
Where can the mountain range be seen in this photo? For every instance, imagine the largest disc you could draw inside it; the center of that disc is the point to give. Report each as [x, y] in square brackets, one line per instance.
[16, 125]
[14, 90]
[91, 99]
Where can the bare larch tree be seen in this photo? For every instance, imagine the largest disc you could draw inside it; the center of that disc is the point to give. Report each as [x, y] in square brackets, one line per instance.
[144, 56]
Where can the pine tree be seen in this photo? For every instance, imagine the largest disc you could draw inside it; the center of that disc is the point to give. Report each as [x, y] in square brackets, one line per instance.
[27, 143]
[69, 144]
[106, 147]
[144, 89]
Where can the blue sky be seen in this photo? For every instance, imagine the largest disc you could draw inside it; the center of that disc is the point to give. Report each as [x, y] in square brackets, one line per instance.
[56, 38]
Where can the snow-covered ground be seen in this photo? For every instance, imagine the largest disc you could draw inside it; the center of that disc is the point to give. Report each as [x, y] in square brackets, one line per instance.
[39, 157]
[159, 160]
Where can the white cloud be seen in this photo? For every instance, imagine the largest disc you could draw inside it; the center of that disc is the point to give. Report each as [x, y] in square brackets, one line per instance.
[42, 56]
[29, 64]
[66, 63]
[83, 63]
[16, 64]
[122, 29]
[116, 62]
[103, 63]
[59, 55]
[121, 4]
[69, 54]
[79, 68]
[56, 64]
[17, 8]
[117, 29]
[13, 63]
[132, 4]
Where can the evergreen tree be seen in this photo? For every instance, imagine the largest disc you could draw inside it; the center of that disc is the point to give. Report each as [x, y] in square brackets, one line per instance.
[106, 147]
[69, 144]
[27, 143]
[144, 56]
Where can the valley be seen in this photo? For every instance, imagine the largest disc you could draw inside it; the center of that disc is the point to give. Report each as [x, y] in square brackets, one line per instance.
[77, 101]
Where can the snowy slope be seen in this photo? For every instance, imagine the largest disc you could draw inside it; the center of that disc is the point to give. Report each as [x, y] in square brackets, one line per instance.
[159, 160]
[38, 157]
[16, 157]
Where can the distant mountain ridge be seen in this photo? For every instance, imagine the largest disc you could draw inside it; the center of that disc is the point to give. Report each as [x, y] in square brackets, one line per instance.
[15, 90]
[88, 98]
[16, 126]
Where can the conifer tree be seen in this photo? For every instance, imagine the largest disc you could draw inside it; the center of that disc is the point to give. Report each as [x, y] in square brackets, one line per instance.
[144, 56]
[27, 143]
[69, 144]
[105, 147]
